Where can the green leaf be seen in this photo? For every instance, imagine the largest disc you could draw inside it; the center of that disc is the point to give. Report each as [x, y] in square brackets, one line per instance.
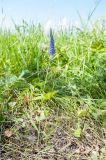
[83, 112]
[43, 115]
[94, 155]
[103, 104]
[77, 132]
[2, 118]
[25, 74]
[49, 95]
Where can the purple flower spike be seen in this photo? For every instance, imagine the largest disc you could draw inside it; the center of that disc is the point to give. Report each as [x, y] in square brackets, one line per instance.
[52, 47]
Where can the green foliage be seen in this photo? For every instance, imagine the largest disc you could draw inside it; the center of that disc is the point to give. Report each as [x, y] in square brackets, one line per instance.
[78, 70]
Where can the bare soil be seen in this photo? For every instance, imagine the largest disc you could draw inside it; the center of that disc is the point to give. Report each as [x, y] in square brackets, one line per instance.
[58, 144]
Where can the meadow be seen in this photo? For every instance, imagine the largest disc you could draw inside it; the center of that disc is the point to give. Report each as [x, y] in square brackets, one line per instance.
[53, 107]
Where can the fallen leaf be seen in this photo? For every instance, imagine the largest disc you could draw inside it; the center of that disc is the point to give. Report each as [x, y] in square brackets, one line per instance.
[8, 133]
[26, 100]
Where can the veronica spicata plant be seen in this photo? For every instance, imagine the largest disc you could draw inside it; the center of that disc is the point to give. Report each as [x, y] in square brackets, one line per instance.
[52, 46]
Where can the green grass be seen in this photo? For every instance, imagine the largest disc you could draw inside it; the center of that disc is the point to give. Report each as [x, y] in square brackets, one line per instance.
[35, 87]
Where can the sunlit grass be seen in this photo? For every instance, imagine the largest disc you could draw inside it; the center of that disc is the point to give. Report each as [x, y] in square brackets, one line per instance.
[35, 86]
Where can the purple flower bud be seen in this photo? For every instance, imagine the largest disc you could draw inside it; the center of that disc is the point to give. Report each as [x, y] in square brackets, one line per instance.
[52, 47]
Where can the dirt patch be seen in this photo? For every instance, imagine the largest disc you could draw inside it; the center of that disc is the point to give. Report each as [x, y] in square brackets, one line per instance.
[59, 144]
